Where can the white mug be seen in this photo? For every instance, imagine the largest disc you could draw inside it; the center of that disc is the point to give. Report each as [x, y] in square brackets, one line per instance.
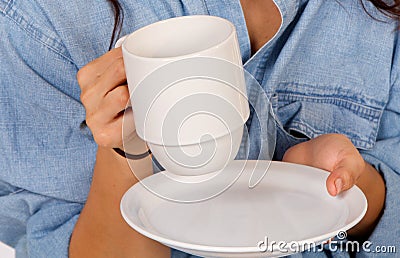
[188, 91]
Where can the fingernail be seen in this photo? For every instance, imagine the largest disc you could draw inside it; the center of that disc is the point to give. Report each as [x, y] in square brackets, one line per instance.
[339, 185]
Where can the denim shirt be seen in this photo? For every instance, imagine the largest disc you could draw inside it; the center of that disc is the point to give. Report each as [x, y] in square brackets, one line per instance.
[330, 68]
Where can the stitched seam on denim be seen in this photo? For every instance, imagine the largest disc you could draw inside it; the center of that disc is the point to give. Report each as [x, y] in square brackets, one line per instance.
[31, 31]
[360, 143]
[324, 90]
[344, 97]
[4, 5]
[370, 113]
[16, 192]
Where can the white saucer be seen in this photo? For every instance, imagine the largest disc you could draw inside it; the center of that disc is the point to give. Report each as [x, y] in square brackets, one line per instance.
[290, 204]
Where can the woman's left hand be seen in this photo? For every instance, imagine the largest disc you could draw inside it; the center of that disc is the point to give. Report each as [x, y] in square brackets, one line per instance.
[336, 154]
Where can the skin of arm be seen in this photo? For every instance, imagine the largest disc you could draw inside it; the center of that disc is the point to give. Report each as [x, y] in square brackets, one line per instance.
[101, 230]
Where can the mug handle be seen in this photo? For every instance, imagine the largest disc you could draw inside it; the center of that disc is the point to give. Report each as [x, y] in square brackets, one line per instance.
[120, 41]
[121, 152]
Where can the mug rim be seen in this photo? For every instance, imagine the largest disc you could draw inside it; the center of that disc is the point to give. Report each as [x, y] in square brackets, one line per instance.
[125, 38]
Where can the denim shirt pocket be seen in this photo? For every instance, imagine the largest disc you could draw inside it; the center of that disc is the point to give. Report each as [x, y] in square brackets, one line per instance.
[313, 110]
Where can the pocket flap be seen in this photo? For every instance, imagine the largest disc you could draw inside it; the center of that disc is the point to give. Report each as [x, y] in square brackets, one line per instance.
[316, 115]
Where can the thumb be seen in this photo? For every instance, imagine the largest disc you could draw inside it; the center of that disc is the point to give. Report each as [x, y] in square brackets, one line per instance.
[341, 179]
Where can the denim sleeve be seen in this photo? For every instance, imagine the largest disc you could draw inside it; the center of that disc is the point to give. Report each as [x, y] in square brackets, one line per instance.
[49, 230]
[385, 157]
[36, 225]
[179, 254]
[46, 161]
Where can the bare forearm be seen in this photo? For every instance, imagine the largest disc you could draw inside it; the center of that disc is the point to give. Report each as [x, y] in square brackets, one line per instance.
[373, 186]
[101, 230]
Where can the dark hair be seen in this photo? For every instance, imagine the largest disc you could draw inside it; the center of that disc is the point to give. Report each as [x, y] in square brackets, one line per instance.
[392, 10]
[118, 20]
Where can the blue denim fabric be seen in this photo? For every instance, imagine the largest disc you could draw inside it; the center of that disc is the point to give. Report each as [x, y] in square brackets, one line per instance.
[330, 69]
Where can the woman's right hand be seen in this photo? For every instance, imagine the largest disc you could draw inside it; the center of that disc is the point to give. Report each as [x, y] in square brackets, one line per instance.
[105, 96]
